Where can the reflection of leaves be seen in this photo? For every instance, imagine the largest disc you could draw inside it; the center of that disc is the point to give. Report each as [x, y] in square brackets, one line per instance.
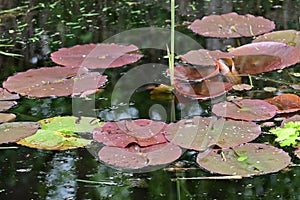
[289, 135]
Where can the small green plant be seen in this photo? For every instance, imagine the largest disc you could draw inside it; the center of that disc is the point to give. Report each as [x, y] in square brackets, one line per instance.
[288, 135]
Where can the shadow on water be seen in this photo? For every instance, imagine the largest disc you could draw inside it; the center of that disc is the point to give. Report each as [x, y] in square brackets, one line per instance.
[34, 29]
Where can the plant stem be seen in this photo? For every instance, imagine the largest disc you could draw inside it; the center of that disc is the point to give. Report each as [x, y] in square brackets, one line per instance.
[171, 56]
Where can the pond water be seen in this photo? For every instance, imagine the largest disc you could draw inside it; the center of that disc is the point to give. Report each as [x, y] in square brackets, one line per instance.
[36, 28]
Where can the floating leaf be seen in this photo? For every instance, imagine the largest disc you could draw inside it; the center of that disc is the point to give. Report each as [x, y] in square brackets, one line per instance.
[15, 131]
[285, 103]
[5, 98]
[60, 133]
[54, 81]
[204, 90]
[143, 132]
[94, 56]
[203, 57]
[135, 157]
[289, 37]
[295, 118]
[200, 133]
[231, 25]
[262, 57]
[7, 117]
[288, 135]
[245, 160]
[241, 87]
[194, 74]
[245, 109]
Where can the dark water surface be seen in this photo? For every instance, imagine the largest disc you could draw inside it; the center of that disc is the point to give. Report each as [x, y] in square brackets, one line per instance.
[36, 28]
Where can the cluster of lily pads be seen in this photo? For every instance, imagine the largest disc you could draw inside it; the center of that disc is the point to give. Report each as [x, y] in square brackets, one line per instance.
[223, 142]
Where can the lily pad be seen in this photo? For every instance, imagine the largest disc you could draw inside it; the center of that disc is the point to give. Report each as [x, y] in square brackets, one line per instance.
[203, 57]
[123, 133]
[60, 133]
[5, 99]
[295, 118]
[289, 37]
[15, 131]
[231, 25]
[94, 56]
[245, 160]
[262, 57]
[194, 74]
[200, 133]
[7, 117]
[135, 157]
[285, 103]
[54, 81]
[204, 90]
[245, 109]
[288, 135]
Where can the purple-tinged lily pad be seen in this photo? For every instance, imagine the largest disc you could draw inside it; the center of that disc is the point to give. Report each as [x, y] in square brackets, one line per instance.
[7, 117]
[5, 99]
[195, 74]
[231, 25]
[7, 96]
[135, 157]
[289, 37]
[295, 118]
[54, 81]
[15, 131]
[200, 133]
[94, 56]
[143, 132]
[204, 90]
[245, 109]
[262, 57]
[203, 57]
[5, 105]
[285, 103]
[245, 160]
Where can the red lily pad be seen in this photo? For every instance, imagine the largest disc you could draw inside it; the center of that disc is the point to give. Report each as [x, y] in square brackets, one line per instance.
[245, 160]
[143, 132]
[5, 99]
[204, 90]
[262, 57]
[203, 57]
[285, 103]
[195, 74]
[135, 157]
[231, 25]
[7, 96]
[200, 133]
[289, 37]
[54, 81]
[15, 131]
[245, 109]
[94, 56]
[295, 118]
[7, 117]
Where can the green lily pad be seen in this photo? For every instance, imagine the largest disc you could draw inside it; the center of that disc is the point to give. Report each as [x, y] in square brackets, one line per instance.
[288, 135]
[15, 131]
[60, 133]
[245, 160]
